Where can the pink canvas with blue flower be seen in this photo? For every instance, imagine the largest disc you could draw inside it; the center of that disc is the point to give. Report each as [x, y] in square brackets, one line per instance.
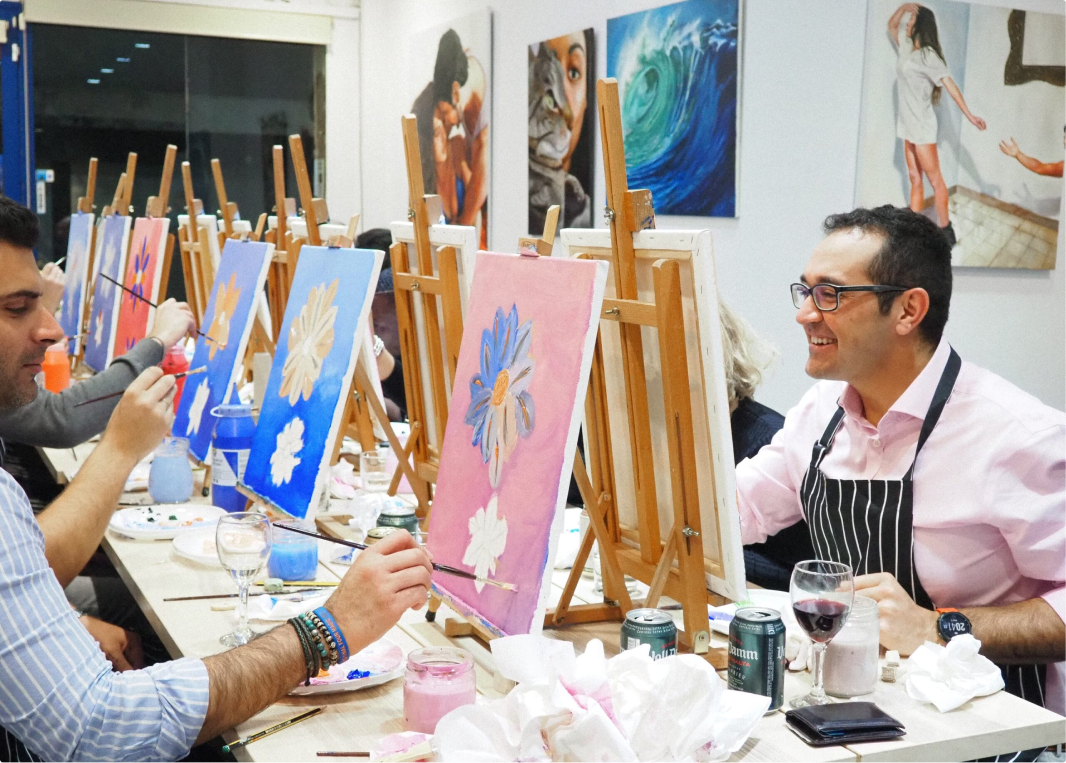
[505, 466]
[144, 273]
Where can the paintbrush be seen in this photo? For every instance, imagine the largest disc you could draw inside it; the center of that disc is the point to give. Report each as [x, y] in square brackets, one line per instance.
[272, 730]
[183, 374]
[61, 260]
[135, 295]
[233, 596]
[337, 754]
[438, 567]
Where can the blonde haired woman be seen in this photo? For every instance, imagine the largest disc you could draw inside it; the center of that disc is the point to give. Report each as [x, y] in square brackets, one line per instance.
[747, 356]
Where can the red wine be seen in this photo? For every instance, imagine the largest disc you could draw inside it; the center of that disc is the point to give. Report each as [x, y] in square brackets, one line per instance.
[821, 618]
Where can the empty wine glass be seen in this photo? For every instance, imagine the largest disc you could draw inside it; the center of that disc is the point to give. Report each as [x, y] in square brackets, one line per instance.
[243, 543]
[822, 595]
[373, 470]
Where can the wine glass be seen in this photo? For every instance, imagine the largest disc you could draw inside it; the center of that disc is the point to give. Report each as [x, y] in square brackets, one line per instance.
[822, 595]
[243, 543]
[373, 470]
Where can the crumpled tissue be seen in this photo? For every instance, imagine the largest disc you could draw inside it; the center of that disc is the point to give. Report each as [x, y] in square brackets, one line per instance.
[948, 676]
[273, 608]
[626, 708]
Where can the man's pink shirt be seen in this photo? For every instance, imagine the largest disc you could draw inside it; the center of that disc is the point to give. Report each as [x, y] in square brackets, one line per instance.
[989, 485]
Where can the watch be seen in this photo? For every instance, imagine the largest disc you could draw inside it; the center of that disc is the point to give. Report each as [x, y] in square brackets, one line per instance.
[952, 623]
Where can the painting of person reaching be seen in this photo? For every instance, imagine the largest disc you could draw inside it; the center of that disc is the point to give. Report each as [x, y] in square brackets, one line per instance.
[921, 76]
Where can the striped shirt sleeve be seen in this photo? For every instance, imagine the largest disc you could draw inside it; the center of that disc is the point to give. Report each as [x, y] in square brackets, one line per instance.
[58, 693]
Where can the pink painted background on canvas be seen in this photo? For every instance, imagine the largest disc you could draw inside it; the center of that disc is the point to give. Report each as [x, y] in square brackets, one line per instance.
[559, 301]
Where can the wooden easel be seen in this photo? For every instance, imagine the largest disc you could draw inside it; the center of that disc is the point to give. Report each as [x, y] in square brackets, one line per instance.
[286, 250]
[418, 461]
[197, 265]
[652, 561]
[356, 420]
[86, 206]
[158, 206]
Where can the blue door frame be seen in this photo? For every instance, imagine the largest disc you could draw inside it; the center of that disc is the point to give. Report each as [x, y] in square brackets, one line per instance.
[16, 100]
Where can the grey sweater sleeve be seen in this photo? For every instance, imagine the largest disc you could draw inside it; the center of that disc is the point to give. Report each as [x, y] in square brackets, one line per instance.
[53, 421]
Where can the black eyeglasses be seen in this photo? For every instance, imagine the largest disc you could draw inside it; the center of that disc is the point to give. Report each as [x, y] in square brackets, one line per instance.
[827, 296]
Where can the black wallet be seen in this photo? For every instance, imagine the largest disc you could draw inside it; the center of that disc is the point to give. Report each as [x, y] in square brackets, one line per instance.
[843, 723]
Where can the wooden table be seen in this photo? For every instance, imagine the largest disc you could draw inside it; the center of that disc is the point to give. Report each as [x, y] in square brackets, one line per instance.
[357, 720]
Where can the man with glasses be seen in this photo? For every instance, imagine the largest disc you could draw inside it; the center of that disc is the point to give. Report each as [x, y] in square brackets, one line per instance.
[941, 484]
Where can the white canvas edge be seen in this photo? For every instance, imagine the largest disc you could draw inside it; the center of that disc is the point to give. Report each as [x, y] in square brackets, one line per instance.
[157, 280]
[84, 275]
[246, 334]
[298, 226]
[123, 255]
[370, 363]
[211, 223]
[698, 242]
[346, 382]
[559, 512]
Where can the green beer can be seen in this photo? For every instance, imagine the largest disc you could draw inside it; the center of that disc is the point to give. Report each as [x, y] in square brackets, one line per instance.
[403, 518]
[653, 627]
[757, 654]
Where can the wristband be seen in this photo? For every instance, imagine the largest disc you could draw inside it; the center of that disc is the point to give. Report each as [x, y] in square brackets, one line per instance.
[334, 630]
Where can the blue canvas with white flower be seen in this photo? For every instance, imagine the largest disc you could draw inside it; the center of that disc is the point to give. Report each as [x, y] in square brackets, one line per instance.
[325, 321]
[72, 307]
[228, 321]
[113, 239]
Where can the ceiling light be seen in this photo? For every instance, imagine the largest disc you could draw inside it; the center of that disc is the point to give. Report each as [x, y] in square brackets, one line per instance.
[107, 71]
[123, 60]
[93, 81]
[142, 45]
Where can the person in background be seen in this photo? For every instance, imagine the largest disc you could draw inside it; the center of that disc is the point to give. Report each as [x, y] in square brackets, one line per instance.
[62, 700]
[921, 73]
[1050, 169]
[53, 280]
[768, 564]
[386, 330]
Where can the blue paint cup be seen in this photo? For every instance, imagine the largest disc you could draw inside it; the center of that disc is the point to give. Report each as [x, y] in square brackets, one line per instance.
[170, 476]
[293, 556]
[232, 442]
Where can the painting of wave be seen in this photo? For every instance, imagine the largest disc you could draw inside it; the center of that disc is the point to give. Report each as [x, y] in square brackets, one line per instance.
[676, 68]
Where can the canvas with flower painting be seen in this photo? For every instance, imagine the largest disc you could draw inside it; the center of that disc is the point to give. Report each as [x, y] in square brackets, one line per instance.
[112, 240]
[520, 382]
[228, 323]
[143, 275]
[310, 377]
[72, 307]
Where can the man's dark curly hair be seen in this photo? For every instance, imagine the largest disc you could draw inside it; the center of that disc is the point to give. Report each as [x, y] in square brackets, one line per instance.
[18, 225]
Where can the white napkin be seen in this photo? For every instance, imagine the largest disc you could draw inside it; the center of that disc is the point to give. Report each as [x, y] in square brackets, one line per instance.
[948, 676]
[625, 708]
[267, 607]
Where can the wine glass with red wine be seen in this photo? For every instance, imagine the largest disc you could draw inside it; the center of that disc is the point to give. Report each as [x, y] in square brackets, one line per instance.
[822, 594]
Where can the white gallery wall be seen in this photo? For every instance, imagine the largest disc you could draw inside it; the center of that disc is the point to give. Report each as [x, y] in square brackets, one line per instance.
[801, 91]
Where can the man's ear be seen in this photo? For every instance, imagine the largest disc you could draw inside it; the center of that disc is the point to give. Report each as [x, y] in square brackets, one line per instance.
[910, 309]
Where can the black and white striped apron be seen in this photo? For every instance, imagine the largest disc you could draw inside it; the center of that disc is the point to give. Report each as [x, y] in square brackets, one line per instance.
[869, 525]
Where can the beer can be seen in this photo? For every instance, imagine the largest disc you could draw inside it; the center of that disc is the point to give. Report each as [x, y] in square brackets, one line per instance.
[653, 627]
[402, 517]
[757, 654]
[374, 534]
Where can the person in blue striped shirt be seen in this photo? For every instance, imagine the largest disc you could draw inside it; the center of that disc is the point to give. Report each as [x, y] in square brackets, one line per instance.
[59, 697]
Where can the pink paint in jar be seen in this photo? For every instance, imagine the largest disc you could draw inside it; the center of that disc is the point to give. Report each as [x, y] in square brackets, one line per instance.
[851, 660]
[438, 680]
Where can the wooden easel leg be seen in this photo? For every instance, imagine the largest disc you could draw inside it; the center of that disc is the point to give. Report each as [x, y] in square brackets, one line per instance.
[662, 571]
[404, 455]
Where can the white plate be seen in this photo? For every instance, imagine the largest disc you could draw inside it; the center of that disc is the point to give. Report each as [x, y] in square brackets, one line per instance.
[198, 546]
[379, 663]
[163, 521]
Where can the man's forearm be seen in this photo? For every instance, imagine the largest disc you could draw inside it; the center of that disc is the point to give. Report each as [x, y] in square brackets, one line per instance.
[74, 523]
[1026, 632]
[247, 679]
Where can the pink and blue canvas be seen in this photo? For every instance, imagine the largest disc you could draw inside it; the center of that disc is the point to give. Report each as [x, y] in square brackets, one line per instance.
[505, 465]
[72, 307]
[310, 377]
[114, 236]
[228, 322]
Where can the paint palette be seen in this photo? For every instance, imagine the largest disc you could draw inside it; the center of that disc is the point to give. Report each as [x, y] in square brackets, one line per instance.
[163, 521]
[379, 663]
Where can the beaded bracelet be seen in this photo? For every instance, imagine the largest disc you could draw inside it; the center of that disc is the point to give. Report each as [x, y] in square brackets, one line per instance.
[331, 625]
[327, 638]
[316, 638]
[311, 664]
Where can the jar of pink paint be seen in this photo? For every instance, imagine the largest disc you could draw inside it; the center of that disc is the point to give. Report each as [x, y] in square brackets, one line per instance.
[438, 680]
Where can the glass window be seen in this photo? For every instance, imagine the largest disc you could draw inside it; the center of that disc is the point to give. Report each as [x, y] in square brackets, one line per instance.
[106, 92]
